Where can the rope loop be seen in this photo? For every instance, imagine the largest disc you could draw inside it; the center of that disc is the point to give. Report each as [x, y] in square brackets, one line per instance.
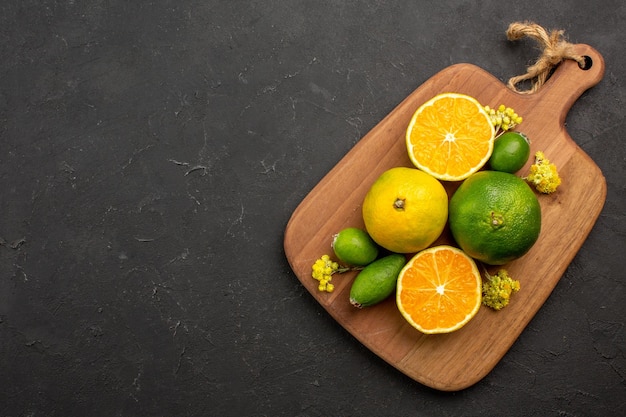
[554, 50]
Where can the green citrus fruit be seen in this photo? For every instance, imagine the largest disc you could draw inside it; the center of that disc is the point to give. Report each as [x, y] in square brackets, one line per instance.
[495, 217]
[376, 281]
[354, 246]
[510, 152]
[405, 210]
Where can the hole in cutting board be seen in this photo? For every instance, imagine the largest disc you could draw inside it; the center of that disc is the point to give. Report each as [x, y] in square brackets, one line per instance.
[587, 64]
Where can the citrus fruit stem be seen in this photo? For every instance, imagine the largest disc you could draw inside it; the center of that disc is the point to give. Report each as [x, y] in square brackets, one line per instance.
[496, 220]
[348, 269]
[399, 204]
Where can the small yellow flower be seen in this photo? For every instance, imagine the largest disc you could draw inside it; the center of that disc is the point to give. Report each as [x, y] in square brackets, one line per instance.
[323, 270]
[543, 174]
[497, 289]
[503, 118]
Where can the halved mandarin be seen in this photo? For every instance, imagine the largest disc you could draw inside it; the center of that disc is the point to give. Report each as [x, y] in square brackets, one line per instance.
[439, 290]
[450, 137]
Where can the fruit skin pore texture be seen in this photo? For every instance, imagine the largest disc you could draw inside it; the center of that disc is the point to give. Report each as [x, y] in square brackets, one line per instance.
[495, 217]
[405, 210]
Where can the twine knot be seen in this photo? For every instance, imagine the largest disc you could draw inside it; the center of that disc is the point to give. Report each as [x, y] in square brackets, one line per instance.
[554, 50]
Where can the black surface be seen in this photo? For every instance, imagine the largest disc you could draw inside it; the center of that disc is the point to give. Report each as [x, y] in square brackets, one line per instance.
[151, 154]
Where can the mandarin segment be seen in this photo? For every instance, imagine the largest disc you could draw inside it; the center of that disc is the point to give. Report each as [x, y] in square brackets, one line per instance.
[439, 290]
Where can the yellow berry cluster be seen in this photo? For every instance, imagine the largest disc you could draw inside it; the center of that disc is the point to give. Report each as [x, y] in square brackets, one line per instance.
[503, 118]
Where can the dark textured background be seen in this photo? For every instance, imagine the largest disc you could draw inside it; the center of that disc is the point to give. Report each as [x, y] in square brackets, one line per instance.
[151, 154]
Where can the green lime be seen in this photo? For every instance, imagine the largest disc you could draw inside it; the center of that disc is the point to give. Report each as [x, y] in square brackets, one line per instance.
[354, 247]
[495, 217]
[510, 152]
[376, 281]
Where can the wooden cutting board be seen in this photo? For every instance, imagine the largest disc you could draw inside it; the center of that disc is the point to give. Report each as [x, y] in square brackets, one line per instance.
[454, 361]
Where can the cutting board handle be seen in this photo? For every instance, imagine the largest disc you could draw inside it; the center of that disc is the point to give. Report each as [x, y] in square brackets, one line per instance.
[569, 81]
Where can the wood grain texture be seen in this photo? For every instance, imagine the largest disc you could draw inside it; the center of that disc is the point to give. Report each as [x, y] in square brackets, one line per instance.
[455, 361]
